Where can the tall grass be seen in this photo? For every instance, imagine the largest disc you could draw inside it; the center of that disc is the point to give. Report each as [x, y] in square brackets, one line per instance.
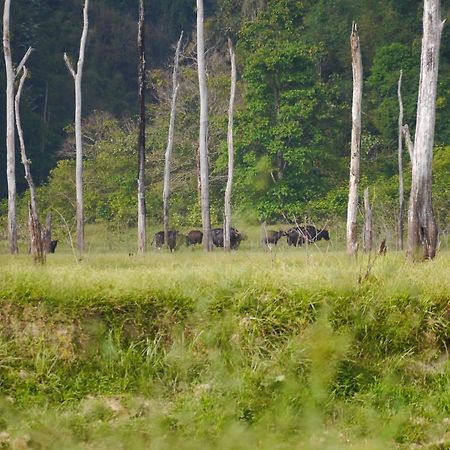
[285, 349]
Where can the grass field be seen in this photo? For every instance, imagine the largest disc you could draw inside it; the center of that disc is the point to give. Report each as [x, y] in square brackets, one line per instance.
[282, 349]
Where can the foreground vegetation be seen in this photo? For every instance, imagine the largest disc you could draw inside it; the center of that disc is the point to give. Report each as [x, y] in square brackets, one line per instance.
[285, 350]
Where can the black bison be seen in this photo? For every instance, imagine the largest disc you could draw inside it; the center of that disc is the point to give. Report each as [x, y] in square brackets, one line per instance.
[309, 234]
[158, 239]
[272, 237]
[52, 246]
[295, 237]
[313, 234]
[217, 237]
[194, 237]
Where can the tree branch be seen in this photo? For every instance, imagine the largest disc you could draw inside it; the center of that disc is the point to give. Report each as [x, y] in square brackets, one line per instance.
[83, 37]
[24, 60]
[69, 65]
[408, 140]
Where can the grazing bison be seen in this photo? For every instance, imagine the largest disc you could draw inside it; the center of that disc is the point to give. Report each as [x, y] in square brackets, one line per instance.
[272, 237]
[309, 234]
[217, 237]
[295, 237]
[158, 239]
[313, 234]
[194, 237]
[52, 246]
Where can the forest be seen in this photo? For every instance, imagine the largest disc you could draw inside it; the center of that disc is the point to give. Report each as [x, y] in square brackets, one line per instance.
[292, 125]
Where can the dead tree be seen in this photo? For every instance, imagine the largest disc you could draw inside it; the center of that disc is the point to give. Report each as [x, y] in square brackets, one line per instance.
[25, 161]
[38, 248]
[10, 145]
[168, 155]
[77, 77]
[401, 189]
[352, 209]
[36, 238]
[227, 207]
[203, 131]
[142, 241]
[422, 228]
[10, 126]
[368, 223]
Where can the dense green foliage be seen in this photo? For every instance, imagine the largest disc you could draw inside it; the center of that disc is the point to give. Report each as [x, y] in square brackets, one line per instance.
[290, 352]
[292, 127]
[288, 113]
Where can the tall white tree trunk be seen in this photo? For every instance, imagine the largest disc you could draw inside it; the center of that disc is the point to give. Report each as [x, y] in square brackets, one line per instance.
[227, 208]
[142, 240]
[10, 127]
[10, 145]
[77, 76]
[203, 132]
[168, 155]
[422, 228]
[352, 209]
[401, 190]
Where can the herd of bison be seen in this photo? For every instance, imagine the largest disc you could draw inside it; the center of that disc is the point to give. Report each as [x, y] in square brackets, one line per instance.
[295, 236]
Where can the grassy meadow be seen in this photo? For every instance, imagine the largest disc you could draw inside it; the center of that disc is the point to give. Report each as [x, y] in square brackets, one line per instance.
[282, 349]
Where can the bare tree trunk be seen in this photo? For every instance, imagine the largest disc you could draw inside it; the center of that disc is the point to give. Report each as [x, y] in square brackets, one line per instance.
[10, 144]
[23, 154]
[368, 223]
[10, 138]
[422, 228]
[401, 190]
[203, 132]
[142, 241]
[77, 76]
[197, 174]
[352, 209]
[37, 244]
[227, 208]
[168, 156]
